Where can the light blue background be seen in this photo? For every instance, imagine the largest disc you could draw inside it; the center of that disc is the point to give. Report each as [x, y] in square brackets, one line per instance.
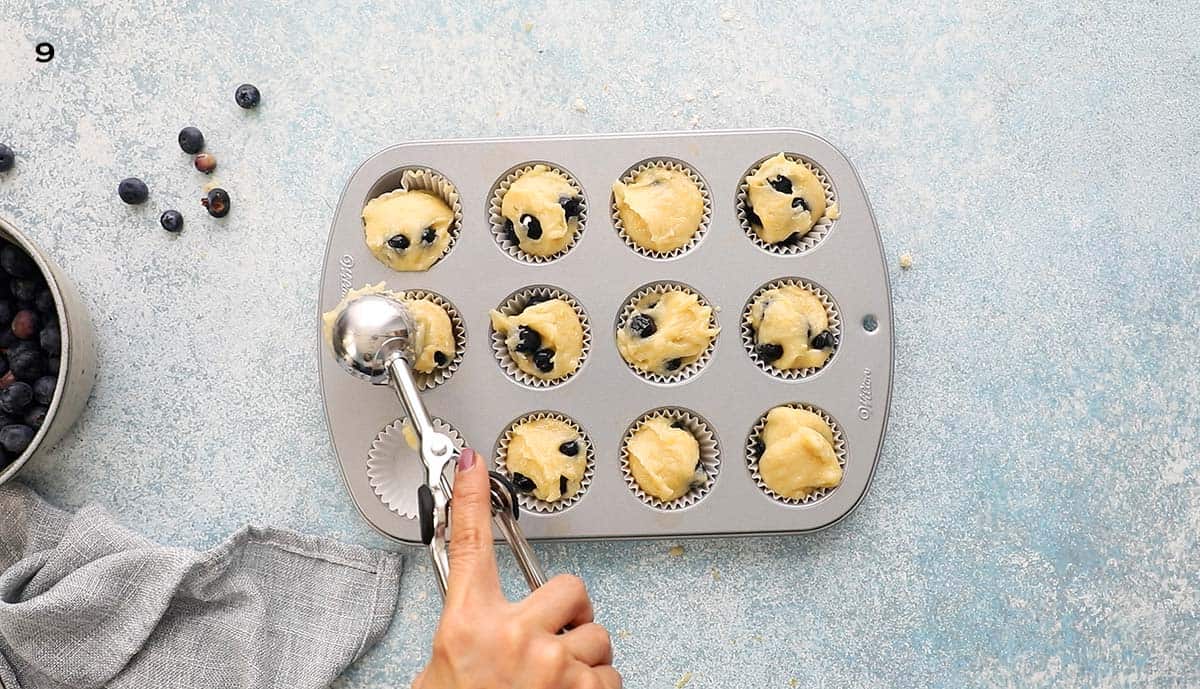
[1034, 518]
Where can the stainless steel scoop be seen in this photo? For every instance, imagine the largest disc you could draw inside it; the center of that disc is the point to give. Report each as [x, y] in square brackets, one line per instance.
[372, 339]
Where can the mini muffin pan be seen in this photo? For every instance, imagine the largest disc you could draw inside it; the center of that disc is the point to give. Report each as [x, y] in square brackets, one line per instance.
[605, 397]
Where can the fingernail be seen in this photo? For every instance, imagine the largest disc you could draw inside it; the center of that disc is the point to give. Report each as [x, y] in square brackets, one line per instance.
[466, 459]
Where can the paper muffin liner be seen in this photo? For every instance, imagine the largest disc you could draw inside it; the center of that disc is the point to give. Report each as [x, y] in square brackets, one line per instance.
[514, 304]
[819, 229]
[458, 326]
[831, 312]
[425, 179]
[629, 307]
[666, 164]
[752, 454]
[395, 470]
[528, 500]
[710, 457]
[496, 218]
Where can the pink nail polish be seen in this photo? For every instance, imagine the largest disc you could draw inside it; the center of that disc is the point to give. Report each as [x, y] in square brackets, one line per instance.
[466, 459]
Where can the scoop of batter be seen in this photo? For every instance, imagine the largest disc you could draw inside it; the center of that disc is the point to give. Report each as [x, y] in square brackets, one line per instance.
[546, 339]
[666, 332]
[541, 211]
[784, 198]
[434, 338]
[660, 208]
[797, 453]
[791, 328]
[407, 230]
[664, 459]
[546, 457]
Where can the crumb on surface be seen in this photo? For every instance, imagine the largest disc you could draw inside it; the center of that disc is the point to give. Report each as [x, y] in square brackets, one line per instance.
[716, 574]
[906, 260]
[727, 14]
[684, 680]
[527, 26]
[675, 551]
[793, 682]
[579, 105]
[623, 634]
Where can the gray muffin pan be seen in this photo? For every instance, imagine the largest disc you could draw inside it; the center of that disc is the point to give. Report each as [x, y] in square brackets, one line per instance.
[601, 271]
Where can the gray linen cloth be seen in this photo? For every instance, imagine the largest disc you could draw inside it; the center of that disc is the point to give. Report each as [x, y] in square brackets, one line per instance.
[85, 602]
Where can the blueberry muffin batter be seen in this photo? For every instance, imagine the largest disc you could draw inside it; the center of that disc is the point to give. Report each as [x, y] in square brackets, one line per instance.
[784, 199]
[541, 211]
[797, 455]
[407, 230]
[660, 208]
[546, 458]
[666, 332]
[791, 328]
[664, 458]
[434, 338]
[545, 339]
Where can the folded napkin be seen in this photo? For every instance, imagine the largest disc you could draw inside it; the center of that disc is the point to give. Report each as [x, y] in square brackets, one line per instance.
[86, 603]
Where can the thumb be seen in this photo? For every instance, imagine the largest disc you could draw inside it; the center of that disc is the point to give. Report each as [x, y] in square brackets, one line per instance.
[472, 559]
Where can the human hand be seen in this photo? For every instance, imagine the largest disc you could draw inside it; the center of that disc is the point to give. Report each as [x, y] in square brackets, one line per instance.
[486, 642]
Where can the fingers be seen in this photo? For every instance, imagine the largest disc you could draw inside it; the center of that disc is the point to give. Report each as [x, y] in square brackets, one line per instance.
[590, 645]
[472, 559]
[562, 602]
[608, 676]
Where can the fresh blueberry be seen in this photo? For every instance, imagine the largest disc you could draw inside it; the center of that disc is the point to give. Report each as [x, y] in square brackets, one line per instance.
[25, 324]
[642, 325]
[429, 235]
[133, 191]
[781, 184]
[51, 339]
[24, 290]
[822, 340]
[53, 364]
[523, 482]
[562, 485]
[7, 339]
[673, 364]
[440, 358]
[533, 228]
[171, 221]
[217, 202]
[528, 340]
[509, 233]
[6, 314]
[7, 158]
[36, 416]
[205, 162]
[16, 437]
[191, 140]
[15, 398]
[44, 302]
[572, 206]
[544, 360]
[247, 96]
[399, 242]
[43, 389]
[17, 263]
[769, 352]
[569, 448]
[26, 363]
[799, 202]
[752, 217]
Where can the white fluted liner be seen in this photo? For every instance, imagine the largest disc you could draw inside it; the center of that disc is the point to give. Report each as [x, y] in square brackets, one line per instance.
[395, 470]
[527, 500]
[831, 312]
[819, 229]
[752, 457]
[710, 457]
[496, 218]
[516, 303]
[629, 307]
[667, 164]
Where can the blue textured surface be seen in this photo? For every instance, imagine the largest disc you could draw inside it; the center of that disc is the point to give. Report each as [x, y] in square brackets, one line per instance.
[1034, 518]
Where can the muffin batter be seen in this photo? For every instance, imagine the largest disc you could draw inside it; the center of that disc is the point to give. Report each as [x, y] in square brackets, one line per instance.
[798, 456]
[434, 339]
[545, 340]
[791, 328]
[541, 211]
[546, 457]
[660, 209]
[407, 230]
[784, 198]
[663, 459]
[666, 332]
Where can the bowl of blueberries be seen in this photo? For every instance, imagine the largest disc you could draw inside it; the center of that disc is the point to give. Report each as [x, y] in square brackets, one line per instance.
[47, 352]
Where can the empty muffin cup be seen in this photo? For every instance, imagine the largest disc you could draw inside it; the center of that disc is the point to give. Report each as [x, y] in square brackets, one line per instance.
[574, 206]
[516, 303]
[527, 499]
[684, 371]
[754, 448]
[749, 336]
[705, 217]
[394, 466]
[409, 179]
[707, 468]
[799, 244]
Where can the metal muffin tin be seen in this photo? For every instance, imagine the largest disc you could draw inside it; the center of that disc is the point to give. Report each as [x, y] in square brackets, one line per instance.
[601, 271]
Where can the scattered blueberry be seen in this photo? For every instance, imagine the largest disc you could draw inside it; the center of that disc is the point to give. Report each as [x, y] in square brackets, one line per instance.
[822, 340]
[133, 191]
[51, 338]
[523, 483]
[533, 228]
[7, 158]
[562, 485]
[399, 242]
[799, 202]
[429, 235]
[43, 389]
[781, 184]
[44, 302]
[205, 162]
[25, 324]
[509, 233]
[674, 364]
[26, 363]
[572, 206]
[36, 416]
[544, 360]
[15, 438]
[642, 325]
[15, 398]
[17, 263]
[171, 221]
[770, 352]
[528, 340]
[191, 140]
[569, 448]
[440, 358]
[217, 202]
[24, 290]
[247, 96]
